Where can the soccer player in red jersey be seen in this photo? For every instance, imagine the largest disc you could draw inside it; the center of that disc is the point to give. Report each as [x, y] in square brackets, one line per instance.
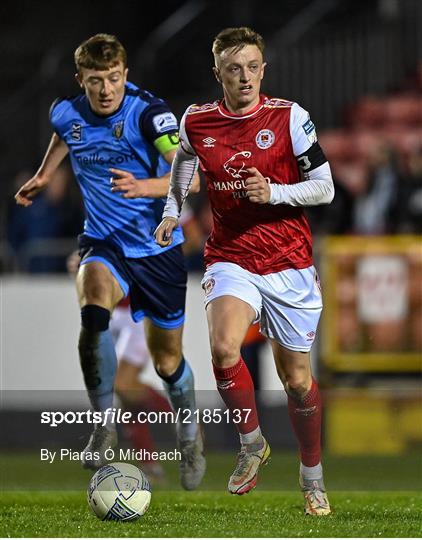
[263, 164]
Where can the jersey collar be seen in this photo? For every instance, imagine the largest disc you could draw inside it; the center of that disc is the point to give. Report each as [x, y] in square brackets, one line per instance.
[225, 112]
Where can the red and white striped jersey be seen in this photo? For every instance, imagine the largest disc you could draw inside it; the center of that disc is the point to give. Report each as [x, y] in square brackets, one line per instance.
[260, 238]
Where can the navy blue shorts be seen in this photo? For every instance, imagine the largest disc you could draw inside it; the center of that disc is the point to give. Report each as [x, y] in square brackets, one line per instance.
[156, 284]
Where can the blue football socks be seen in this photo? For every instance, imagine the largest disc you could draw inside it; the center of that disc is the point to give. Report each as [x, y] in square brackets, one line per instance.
[180, 391]
[97, 356]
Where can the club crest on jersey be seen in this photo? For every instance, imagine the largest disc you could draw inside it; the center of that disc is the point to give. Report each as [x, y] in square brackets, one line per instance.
[76, 132]
[264, 139]
[208, 142]
[118, 129]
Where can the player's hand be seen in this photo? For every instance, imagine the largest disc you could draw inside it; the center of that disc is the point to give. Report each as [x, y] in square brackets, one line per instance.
[29, 190]
[257, 187]
[164, 232]
[125, 183]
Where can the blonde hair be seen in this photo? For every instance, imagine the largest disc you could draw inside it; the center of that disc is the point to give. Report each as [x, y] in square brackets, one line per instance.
[237, 38]
[100, 52]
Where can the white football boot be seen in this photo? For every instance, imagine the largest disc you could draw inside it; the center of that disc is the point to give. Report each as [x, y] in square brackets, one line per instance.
[250, 458]
[316, 500]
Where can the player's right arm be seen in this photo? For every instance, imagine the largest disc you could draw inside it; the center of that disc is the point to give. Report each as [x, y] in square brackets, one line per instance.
[159, 127]
[183, 171]
[56, 152]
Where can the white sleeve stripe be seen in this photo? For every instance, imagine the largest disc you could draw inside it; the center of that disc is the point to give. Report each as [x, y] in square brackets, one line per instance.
[184, 139]
[302, 138]
[183, 169]
[318, 188]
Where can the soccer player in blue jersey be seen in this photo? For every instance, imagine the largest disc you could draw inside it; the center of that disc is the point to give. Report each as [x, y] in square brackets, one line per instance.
[121, 141]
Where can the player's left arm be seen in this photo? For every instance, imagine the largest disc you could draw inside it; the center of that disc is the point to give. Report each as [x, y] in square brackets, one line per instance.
[317, 187]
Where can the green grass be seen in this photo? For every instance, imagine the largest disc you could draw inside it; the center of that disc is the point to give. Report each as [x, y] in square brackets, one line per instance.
[199, 514]
[25, 471]
[371, 497]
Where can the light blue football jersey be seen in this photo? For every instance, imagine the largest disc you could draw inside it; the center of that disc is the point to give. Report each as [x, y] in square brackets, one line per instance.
[122, 140]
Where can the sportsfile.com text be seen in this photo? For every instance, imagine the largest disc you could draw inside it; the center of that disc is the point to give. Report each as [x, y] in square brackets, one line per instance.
[117, 416]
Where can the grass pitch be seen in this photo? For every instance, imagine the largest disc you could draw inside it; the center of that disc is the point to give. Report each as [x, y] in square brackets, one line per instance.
[205, 514]
[274, 509]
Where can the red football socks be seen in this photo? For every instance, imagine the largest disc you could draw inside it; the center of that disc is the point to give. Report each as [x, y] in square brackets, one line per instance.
[305, 415]
[236, 388]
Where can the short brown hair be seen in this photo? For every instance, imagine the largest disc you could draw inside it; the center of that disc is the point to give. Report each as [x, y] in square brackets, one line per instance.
[100, 52]
[237, 38]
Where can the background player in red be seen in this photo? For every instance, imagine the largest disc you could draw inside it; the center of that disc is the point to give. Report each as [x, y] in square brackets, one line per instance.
[263, 164]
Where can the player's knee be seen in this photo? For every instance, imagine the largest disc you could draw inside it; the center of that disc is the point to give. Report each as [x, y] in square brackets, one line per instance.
[96, 294]
[297, 383]
[95, 318]
[225, 352]
[167, 365]
[166, 360]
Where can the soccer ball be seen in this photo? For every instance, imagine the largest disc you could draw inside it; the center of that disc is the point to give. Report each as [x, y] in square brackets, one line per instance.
[119, 492]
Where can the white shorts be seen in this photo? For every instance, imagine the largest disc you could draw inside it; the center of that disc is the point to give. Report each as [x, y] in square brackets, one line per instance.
[129, 337]
[288, 303]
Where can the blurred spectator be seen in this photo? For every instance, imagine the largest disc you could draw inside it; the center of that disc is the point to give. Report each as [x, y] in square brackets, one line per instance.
[407, 211]
[372, 212]
[37, 233]
[335, 218]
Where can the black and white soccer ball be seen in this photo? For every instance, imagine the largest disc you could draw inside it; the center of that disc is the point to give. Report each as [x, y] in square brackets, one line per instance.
[119, 492]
